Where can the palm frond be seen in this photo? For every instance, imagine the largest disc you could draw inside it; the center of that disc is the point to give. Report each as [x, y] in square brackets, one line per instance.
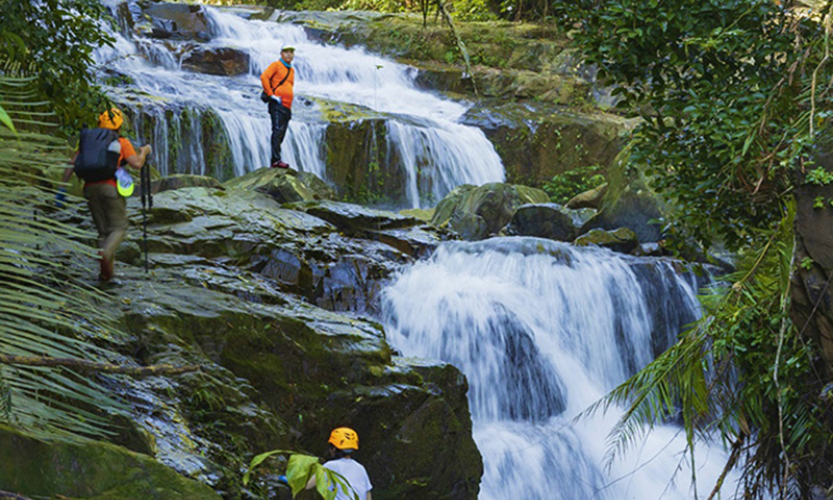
[44, 311]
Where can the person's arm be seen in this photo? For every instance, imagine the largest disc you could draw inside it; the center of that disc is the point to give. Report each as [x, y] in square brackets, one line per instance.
[137, 161]
[266, 78]
[368, 496]
[69, 170]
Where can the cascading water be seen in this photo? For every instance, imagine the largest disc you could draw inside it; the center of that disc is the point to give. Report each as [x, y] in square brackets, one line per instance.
[433, 149]
[542, 330]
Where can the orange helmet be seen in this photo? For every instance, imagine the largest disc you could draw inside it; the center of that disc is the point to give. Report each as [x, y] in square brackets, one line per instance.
[112, 119]
[344, 438]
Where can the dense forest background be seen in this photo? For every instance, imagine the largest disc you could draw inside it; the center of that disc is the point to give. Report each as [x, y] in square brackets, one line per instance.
[735, 101]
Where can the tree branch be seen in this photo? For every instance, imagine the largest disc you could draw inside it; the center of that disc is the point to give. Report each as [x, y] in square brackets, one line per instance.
[13, 496]
[460, 45]
[730, 464]
[91, 366]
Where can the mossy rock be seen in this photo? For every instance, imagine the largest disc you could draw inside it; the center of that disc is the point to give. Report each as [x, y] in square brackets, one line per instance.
[284, 185]
[179, 181]
[476, 213]
[88, 469]
[537, 141]
[543, 221]
[639, 211]
[621, 240]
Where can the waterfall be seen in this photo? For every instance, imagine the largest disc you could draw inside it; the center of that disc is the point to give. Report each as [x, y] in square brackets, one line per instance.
[542, 330]
[425, 137]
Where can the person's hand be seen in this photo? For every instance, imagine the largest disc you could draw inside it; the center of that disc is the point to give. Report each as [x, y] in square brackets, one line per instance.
[61, 197]
[147, 148]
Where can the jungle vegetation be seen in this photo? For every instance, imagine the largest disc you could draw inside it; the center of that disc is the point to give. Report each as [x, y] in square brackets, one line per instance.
[733, 95]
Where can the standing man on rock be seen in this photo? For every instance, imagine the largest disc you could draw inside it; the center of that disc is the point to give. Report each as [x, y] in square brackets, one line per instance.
[278, 82]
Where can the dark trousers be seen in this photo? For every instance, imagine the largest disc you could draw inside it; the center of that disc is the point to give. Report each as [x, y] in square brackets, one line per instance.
[280, 115]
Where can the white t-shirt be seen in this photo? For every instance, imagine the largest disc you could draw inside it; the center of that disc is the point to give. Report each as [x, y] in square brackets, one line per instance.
[354, 473]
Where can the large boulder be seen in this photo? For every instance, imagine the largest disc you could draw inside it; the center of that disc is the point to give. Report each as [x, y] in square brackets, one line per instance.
[547, 220]
[475, 213]
[638, 211]
[88, 469]
[225, 61]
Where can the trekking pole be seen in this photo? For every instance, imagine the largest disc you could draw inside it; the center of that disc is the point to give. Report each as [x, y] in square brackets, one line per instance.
[144, 175]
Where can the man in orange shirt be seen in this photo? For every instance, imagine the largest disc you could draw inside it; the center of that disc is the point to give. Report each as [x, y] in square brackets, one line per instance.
[278, 83]
[108, 207]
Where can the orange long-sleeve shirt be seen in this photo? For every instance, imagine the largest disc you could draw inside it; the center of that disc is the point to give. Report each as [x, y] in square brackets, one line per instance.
[273, 76]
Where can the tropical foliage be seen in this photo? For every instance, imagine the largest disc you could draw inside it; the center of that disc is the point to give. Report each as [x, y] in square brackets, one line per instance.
[733, 94]
[564, 186]
[300, 469]
[44, 311]
[54, 40]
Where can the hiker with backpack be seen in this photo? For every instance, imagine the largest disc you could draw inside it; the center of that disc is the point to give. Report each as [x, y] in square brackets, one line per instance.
[278, 90]
[101, 154]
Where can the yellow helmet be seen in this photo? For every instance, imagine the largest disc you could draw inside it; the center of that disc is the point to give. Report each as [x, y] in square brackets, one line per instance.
[344, 438]
[112, 119]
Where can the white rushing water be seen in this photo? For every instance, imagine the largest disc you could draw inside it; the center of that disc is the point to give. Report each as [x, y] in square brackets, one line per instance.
[542, 330]
[434, 150]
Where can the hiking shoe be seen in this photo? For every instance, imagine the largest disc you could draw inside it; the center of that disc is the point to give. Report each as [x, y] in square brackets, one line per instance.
[280, 164]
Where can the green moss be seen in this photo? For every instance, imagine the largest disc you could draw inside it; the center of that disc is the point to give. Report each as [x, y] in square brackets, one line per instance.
[89, 469]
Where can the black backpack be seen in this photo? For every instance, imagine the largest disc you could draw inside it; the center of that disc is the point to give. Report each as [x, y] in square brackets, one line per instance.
[95, 161]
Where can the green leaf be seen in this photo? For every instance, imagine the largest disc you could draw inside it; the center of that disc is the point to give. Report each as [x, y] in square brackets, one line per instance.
[5, 120]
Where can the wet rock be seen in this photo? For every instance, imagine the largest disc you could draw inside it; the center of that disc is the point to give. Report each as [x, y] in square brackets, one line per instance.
[225, 61]
[360, 161]
[637, 211]
[620, 240]
[179, 181]
[177, 21]
[648, 250]
[349, 217]
[422, 214]
[588, 199]
[537, 141]
[89, 469]
[544, 221]
[477, 212]
[284, 185]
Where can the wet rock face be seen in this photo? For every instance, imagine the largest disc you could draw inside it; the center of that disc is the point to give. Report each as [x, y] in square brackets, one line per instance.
[537, 141]
[89, 469]
[177, 21]
[184, 181]
[285, 186]
[251, 290]
[475, 213]
[224, 61]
